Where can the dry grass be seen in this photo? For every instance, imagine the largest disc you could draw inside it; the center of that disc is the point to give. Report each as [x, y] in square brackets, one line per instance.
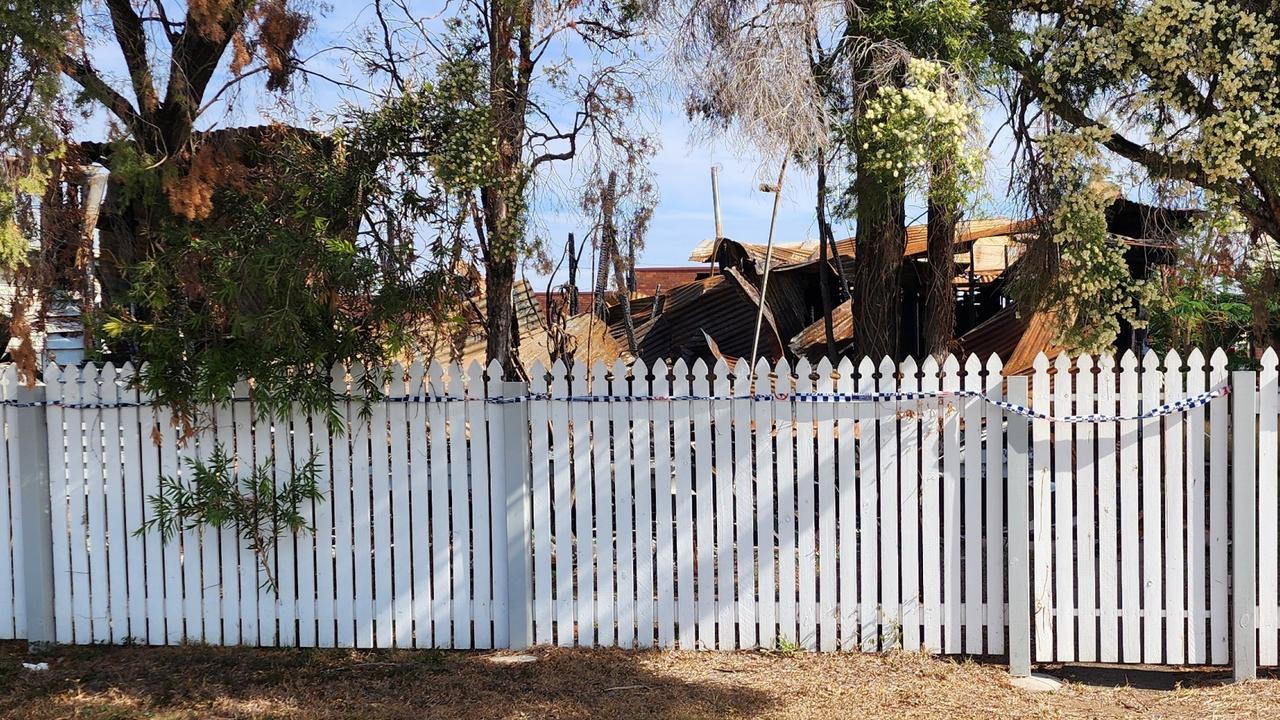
[207, 682]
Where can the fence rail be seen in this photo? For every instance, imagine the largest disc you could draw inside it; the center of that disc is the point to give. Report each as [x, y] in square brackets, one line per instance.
[915, 506]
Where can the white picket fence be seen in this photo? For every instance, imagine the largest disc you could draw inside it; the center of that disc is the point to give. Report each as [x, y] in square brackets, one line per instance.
[685, 515]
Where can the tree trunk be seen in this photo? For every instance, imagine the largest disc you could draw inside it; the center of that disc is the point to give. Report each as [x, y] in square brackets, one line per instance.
[608, 246]
[823, 282]
[509, 28]
[499, 278]
[1259, 297]
[573, 277]
[880, 241]
[609, 243]
[939, 294]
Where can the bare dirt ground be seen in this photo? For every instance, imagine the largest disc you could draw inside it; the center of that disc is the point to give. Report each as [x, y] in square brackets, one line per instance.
[208, 682]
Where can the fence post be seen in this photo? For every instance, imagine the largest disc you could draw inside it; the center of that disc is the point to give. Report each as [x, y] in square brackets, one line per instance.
[30, 451]
[1019, 534]
[1244, 530]
[516, 471]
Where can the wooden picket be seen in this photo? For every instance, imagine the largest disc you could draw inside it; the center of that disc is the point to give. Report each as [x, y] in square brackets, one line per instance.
[665, 503]
[1042, 593]
[993, 521]
[684, 552]
[644, 485]
[930, 510]
[696, 508]
[1152, 519]
[847, 512]
[823, 513]
[1130, 539]
[542, 519]
[601, 474]
[1218, 568]
[12, 605]
[909, 503]
[400, 591]
[1268, 520]
[720, 521]
[765, 513]
[1197, 518]
[785, 471]
[624, 503]
[1109, 568]
[890, 612]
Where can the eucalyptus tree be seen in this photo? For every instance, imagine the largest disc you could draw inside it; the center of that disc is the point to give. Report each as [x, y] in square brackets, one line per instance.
[182, 61]
[222, 252]
[523, 92]
[880, 89]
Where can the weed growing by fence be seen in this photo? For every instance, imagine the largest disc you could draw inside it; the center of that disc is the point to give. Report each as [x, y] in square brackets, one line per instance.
[216, 497]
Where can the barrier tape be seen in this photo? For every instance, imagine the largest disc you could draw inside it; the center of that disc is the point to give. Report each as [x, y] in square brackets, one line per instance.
[1178, 406]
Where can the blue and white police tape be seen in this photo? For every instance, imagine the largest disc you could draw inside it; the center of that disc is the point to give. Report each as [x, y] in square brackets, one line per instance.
[1177, 406]
[1170, 408]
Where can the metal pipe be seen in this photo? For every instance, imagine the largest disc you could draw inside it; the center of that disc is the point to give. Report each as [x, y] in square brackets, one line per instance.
[715, 199]
[768, 261]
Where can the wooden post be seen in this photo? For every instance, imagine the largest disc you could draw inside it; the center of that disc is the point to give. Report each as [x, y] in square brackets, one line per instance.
[1019, 535]
[516, 471]
[1244, 530]
[31, 455]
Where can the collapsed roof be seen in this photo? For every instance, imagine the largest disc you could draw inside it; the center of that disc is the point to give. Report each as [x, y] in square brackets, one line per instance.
[714, 316]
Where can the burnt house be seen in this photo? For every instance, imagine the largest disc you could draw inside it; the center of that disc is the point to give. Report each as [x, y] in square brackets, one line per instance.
[714, 315]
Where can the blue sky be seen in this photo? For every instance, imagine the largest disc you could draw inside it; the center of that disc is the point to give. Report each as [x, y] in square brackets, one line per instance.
[681, 167]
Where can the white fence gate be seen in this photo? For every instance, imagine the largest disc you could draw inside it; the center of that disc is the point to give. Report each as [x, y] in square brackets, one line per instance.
[680, 507]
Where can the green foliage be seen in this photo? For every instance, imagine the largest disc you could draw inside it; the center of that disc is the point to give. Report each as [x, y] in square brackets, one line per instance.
[1198, 77]
[1201, 317]
[30, 135]
[947, 30]
[787, 646]
[13, 241]
[255, 506]
[284, 280]
[439, 129]
[1205, 306]
[136, 176]
[1186, 91]
[1089, 289]
[910, 132]
[920, 127]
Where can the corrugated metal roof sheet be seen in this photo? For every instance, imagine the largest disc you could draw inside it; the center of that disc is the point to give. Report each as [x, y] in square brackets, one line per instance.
[587, 337]
[1000, 231]
[723, 307]
[795, 294]
[816, 334]
[1016, 338]
[917, 242]
[1038, 338]
[783, 253]
[528, 310]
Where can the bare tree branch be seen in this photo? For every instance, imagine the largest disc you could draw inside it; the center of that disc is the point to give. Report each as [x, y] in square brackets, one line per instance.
[95, 87]
[133, 45]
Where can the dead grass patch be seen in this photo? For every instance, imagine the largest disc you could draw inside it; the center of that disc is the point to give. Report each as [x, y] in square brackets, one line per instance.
[211, 682]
